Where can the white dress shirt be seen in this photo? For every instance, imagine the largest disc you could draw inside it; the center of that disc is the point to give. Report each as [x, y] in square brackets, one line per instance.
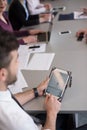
[35, 7]
[12, 116]
[23, 2]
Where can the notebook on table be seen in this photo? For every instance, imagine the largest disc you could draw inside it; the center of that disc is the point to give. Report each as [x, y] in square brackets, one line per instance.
[72, 16]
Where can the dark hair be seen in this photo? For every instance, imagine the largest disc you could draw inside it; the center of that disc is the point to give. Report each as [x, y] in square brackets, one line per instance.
[8, 43]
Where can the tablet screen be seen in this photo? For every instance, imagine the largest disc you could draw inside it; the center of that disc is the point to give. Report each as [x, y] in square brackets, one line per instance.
[57, 83]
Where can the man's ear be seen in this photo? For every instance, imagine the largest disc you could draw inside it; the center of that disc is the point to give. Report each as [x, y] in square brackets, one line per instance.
[3, 74]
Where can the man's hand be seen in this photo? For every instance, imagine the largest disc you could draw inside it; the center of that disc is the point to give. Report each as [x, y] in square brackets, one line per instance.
[52, 105]
[42, 86]
[48, 6]
[30, 39]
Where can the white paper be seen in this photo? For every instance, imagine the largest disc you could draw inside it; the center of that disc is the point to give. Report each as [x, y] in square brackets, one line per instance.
[50, 18]
[41, 61]
[23, 56]
[42, 48]
[23, 60]
[19, 84]
[79, 15]
[22, 48]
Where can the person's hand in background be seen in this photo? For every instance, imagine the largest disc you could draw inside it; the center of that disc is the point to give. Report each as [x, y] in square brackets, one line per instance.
[82, 34]
[42, 86]
[30, 39]
[35, 31]
[52, 106]
[85, 11]
[48, 6]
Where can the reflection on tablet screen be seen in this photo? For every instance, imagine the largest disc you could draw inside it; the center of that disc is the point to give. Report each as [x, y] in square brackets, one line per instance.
[57, 83]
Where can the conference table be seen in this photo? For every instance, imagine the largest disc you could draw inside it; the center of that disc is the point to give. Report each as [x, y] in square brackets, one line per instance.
[71, 55]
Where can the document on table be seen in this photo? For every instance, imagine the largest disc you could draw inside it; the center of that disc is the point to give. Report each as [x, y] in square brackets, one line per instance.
[23, 60]
[37, 48]
[19, 84]
[79, 15]
[25, 51]
[41, 61]
[23, 56]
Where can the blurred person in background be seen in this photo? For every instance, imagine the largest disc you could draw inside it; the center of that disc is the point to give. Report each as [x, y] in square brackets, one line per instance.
[19, 15]
[27, 36]
[35, 7]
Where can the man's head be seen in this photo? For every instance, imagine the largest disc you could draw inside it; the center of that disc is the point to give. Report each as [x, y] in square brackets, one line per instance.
[8, 58]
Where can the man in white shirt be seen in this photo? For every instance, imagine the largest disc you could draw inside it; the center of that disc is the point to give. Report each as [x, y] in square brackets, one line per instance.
[35, 7]
[12, 116]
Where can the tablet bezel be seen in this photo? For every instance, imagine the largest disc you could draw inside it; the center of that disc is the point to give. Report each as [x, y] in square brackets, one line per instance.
[65, 84]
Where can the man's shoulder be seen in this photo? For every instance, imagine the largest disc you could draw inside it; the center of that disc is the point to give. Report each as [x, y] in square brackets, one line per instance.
[15, 3]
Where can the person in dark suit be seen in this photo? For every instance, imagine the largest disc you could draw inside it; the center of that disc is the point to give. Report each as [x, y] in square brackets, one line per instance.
[19, 15]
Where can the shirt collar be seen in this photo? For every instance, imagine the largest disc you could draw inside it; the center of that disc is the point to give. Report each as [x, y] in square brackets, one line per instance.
[23, 2]
[5, 95]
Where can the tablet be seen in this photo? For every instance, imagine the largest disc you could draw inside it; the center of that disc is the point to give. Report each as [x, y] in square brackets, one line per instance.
[58, 83]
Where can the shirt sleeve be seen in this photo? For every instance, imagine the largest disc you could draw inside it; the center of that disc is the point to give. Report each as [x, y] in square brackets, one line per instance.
[21, 33]
[35, 9]
[38, 10]
[21, 42]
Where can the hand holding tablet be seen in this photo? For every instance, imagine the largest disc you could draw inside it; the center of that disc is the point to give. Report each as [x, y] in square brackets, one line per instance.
[58, 82]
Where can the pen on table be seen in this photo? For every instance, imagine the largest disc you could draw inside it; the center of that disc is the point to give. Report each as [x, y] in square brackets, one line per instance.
[31, 47]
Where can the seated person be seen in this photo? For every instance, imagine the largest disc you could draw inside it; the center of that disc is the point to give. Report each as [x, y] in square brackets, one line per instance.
[35, 7]
[27, 36]
[12, 114]
[19, 15]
